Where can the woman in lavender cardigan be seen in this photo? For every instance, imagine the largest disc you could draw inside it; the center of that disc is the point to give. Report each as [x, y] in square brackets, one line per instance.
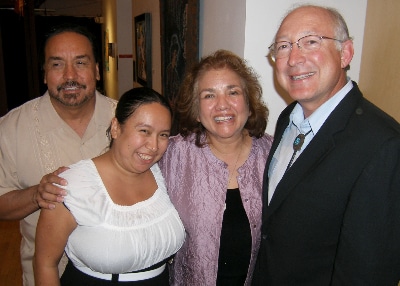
[214, 170]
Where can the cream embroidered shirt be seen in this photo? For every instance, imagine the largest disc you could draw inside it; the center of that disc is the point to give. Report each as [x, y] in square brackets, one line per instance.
[35, 141]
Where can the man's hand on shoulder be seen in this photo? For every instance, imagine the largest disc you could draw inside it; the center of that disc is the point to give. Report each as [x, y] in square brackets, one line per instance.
[48, 194]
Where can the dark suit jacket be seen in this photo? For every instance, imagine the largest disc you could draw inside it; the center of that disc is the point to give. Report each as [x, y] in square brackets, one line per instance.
[334, 218]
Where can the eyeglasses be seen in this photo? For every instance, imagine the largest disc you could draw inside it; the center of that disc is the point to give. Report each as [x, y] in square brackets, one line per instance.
[307, 44]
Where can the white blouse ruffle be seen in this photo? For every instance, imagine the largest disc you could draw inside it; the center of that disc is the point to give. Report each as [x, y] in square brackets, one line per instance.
[111, 238]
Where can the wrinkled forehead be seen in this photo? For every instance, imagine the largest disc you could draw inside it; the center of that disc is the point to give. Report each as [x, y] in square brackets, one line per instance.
[305, 21]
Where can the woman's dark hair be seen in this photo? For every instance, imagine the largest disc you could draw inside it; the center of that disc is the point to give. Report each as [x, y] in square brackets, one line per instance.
[132, 99]
[187, 102]
[70, 27]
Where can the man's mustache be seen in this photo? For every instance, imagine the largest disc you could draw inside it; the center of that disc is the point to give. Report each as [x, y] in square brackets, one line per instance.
[70, 84]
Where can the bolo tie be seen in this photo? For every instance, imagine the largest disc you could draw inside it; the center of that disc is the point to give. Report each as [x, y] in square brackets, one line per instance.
[297, 144]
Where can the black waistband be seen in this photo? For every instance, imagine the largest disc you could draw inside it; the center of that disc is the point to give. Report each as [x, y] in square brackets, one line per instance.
[115, 277]
[154, 266]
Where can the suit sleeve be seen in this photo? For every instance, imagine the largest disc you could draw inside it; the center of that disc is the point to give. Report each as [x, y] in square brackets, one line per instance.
[369, 244]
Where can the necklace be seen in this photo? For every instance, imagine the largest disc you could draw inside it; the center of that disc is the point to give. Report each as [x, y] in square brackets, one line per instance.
[237, 160]
[297, 144]
[234, 167]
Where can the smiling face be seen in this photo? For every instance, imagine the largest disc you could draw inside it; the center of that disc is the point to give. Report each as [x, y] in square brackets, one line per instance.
[70, 69]
[143, 139]
[223, 109]
[313, 77]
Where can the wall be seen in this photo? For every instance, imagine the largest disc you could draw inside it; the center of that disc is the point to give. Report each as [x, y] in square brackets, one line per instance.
[110, 64]
[222, 26]
[379, 76]
[153, 7]
[262, 20]
[124, 46]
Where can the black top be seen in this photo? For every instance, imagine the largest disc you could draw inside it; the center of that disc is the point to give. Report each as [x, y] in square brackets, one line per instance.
[235, 242]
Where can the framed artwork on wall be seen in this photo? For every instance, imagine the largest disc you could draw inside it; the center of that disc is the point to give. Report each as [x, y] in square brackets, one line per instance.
[179, 42]
[134, 70]
[143, 49]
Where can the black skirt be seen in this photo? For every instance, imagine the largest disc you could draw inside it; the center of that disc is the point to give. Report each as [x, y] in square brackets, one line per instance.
[73, 277]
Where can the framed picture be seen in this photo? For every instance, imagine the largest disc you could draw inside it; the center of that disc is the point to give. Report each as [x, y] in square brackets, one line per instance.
[143, 49]
[134, 71]
[179, 42]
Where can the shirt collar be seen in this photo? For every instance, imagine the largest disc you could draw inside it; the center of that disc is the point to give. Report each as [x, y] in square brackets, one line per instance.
[318, 117]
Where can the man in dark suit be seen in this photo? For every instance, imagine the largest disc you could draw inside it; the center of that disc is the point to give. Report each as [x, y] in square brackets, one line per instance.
[331, 213]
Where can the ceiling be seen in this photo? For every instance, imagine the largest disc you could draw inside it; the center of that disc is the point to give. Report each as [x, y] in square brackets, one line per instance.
[77, 8]
[11, 3]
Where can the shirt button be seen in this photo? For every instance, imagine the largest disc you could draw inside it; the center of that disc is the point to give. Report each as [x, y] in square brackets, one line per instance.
[246, 200]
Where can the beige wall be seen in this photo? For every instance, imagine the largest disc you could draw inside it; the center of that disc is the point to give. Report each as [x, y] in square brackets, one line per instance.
[222, 26]
[110, 64]
[380, 73]
[124, 46]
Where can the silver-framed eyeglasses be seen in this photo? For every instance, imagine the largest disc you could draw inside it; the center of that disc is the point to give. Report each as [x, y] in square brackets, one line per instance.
[306, 44]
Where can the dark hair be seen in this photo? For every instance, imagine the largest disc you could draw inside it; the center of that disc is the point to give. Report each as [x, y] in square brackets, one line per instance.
[187, 103]
[70, 27]
[132, 99]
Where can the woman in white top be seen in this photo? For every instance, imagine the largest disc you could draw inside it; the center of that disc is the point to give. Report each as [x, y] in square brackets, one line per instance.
[118, 225]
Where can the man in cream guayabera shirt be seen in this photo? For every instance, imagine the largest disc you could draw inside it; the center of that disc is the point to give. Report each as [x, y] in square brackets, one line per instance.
[67, 124]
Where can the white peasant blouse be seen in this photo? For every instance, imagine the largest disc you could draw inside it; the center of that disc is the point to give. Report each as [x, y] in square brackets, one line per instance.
[111, 238]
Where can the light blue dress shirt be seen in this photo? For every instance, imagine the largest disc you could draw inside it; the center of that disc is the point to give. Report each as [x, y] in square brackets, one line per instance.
[298, 124]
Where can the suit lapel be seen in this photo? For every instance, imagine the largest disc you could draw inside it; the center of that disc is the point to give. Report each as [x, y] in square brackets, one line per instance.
[281, 125]
[318, 148]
